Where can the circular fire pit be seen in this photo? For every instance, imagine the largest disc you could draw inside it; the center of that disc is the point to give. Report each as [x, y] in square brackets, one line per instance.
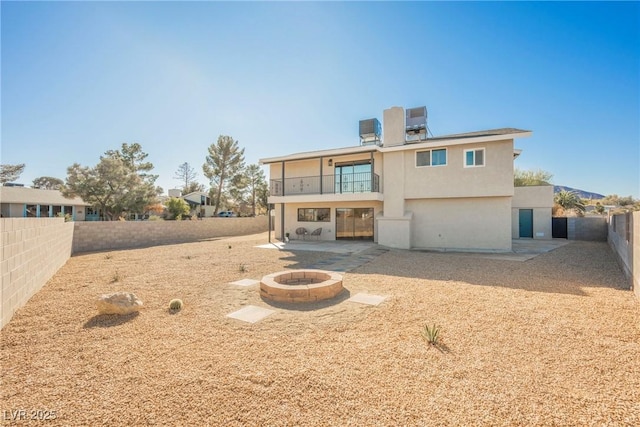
[301, 285]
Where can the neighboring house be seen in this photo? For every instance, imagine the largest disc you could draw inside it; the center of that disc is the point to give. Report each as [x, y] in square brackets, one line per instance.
[403, 189]
[35, 203]
[199, 201]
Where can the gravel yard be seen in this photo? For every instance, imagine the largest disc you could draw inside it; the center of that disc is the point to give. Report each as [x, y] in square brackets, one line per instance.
[551, 341]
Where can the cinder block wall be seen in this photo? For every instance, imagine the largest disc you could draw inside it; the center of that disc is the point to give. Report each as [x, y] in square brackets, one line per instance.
[587, 228]
[624, 239]
[33, 249]
[98, 236]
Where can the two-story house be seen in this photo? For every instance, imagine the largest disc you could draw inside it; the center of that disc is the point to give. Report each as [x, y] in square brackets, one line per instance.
[407, 190]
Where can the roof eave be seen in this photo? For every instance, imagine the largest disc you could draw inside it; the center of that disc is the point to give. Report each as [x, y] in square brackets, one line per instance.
[458, 141]
[320, 153]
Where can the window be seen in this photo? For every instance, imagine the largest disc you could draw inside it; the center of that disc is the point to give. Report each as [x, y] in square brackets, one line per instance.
[431, 157]
[31, 211]
[473, 158]
[314, 214]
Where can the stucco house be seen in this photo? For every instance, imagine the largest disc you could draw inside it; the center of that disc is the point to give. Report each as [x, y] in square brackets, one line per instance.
[404, 189]
[26, 202]
[199, 201]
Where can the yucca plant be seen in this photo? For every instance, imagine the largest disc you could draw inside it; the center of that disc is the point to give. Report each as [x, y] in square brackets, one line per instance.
[431, 334]
[175, 304]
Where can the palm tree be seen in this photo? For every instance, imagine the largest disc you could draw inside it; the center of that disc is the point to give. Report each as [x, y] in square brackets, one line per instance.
[569, 200]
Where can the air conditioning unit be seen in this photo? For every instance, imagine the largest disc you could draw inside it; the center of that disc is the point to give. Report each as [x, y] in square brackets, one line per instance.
[370, 132]
[416, 122]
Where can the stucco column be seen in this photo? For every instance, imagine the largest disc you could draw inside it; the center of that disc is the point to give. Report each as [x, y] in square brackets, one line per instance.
[394, 225]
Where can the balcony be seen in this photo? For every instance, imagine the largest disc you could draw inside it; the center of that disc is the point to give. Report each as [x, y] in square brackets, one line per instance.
[346, 183]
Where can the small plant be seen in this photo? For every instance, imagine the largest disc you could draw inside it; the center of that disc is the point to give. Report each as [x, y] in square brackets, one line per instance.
[188, 257]
[431, 334]
[242, 268]
[116, 277]
[229, 246]
[175, 305]
[108, 256]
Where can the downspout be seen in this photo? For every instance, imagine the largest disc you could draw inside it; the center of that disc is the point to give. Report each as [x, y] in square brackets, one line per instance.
[321, 160]
[282, 222]
[282, 208]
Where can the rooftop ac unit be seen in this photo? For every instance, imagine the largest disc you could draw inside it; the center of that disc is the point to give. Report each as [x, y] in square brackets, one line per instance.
[416, 122]
[370, 131]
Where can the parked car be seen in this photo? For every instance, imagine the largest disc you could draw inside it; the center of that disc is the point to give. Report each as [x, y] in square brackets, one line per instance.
[226, 214]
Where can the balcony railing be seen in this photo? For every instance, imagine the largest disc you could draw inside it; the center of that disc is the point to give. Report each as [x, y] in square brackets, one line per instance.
[362, 182]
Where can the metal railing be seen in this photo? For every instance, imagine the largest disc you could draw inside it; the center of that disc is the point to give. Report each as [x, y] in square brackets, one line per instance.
[362, 182]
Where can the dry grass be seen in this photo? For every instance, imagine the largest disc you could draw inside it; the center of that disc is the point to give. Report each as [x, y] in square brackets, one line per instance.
[550, 341]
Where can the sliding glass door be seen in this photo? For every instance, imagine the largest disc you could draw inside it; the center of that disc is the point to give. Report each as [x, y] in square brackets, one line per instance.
[353, 177]
[354, 223]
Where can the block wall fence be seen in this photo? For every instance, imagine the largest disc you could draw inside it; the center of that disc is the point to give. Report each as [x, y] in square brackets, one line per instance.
[587, 228]
[624, 239]
[100, 236]
[33, 249]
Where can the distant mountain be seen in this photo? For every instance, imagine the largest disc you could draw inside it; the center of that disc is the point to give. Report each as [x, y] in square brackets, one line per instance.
[583, 194]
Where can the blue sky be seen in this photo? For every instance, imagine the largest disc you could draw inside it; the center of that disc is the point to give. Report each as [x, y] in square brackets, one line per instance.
[80, 78]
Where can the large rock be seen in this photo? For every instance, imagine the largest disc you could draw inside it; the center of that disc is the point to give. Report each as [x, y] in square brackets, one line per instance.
[118, 303]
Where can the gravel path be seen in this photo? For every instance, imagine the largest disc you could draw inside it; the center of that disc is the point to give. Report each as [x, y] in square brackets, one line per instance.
[550, 341]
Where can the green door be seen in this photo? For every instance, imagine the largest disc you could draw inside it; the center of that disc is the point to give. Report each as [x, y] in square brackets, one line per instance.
[526, 223]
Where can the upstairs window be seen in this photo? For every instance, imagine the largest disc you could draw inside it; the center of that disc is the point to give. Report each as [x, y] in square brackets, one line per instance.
[474, 158]
[431, 157]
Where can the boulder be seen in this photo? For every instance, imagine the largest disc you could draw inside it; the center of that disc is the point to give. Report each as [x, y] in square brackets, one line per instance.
[118, 303]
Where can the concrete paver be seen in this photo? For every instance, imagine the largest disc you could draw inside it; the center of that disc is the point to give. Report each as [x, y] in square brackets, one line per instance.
[251, 313]
[367, 299]
[245, 282]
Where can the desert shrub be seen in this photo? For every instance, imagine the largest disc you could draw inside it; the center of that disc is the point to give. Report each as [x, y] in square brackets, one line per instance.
[116, 277]
[177, 208]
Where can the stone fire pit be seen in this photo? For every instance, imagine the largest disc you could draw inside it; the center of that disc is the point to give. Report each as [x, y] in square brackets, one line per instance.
[301, 285]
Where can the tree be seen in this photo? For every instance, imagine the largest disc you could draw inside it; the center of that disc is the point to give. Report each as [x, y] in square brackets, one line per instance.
[525, 178]
[193, 187]
[569, 200]
[133, 158]
[256, 183]
[237, 193]
[223, 167]
[177, 207]
[118, 183]
[599, 208]
[48, 183]
[262, 194]
[187, 175]
[156, 209]
[10, 173]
